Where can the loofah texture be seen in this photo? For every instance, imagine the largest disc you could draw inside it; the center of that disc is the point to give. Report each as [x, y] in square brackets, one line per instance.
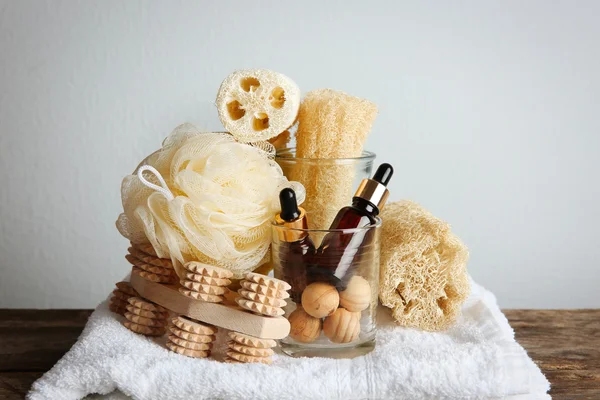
[331, 125]
[423, 275]
[224, 195]
[257, 104]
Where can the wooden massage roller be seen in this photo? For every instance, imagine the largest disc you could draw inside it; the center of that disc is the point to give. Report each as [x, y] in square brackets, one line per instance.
[203, 302]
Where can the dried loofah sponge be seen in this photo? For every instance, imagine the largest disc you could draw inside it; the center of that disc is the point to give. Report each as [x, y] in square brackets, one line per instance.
[331, 124]
[423, 276]
[257, 104]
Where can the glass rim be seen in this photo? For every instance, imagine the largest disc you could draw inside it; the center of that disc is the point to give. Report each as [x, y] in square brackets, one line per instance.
[376, 225]
[365, 155]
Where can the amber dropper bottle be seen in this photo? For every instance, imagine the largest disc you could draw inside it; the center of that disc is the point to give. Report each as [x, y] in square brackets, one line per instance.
[297, 248]
[339, 250]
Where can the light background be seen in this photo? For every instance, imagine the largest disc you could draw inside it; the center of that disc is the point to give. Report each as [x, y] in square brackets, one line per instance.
[489, 111]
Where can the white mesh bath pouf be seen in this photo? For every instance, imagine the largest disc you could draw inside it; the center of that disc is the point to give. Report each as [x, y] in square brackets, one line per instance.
[205, 197]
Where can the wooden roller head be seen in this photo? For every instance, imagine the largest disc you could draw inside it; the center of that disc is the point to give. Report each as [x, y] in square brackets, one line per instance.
[226, 316]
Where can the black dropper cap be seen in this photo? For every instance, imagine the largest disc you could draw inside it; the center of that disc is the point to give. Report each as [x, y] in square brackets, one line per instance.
[289, 205]
[374, 190]
[384, 174]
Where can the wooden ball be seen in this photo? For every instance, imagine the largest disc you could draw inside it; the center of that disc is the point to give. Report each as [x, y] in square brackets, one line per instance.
[342, 326]
[357, 295]
[320, 299]
[304, 328]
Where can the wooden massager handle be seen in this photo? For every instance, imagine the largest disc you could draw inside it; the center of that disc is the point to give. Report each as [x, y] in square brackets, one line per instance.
[225, 316]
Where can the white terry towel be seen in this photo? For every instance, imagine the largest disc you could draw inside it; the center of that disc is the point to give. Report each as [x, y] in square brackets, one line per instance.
[476, 359]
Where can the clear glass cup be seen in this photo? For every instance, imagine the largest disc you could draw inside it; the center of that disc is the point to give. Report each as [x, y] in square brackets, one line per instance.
[330, 183]
[347, 267]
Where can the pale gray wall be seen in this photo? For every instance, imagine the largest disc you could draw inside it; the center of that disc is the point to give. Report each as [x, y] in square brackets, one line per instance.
[489, 112]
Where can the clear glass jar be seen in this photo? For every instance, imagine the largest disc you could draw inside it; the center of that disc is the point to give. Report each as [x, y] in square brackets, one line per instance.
[330, 183]
[334, 295]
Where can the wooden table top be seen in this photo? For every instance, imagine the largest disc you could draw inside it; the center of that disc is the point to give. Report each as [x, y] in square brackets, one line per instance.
[564, 343]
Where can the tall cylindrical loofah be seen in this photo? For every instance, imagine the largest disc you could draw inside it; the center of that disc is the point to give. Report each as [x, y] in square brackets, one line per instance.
[331, 125]
[423, 276]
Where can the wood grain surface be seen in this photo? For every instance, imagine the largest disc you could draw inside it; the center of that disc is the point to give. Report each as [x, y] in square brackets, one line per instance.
[564, 343]
[566, 346]
[31, 341]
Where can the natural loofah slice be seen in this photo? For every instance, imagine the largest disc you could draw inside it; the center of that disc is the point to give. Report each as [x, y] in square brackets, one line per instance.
[190, 345]
[192, 337]
[143, 329]
[259, 308]
[331, 125]
[146, 305]
[267, 281]
[251, 351]
[209, 298]
[187, 352]
[423, 276]
[202, 288]
[208, 270]
[248, 359]
[252, 341]
[261, 298]
[257, 104]
[262, 289]
[145, 321]
[207, 279]
[146, 313]
[152, 269]
[191, 326]
[148, 259]
[126, 288]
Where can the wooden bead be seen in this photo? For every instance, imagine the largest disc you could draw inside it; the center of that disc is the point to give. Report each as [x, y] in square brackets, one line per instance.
[357, 295]
[342, 326]
[304, 328]
[320, 299]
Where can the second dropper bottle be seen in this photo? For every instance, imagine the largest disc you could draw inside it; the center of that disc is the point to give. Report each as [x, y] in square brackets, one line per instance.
[297, 248]
[340, 251]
